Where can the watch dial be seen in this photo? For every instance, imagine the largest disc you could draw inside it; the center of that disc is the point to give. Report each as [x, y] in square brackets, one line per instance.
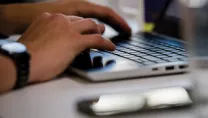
[14, 47]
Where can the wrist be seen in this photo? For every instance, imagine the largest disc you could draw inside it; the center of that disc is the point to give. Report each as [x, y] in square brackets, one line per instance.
[7, 74]
[19, 55]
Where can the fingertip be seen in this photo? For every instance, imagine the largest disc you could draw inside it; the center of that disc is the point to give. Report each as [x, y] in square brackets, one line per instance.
[121, 25]
[96, 41]
[112, 46]
[128, 29]
[75, 18]
[125, 27]
[110, 17]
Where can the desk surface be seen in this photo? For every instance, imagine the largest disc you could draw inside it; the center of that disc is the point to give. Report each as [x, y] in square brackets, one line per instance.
[57, 98]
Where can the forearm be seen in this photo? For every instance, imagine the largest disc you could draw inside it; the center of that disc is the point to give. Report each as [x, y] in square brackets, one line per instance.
[7, 74]
[12, 19]
[15, 18]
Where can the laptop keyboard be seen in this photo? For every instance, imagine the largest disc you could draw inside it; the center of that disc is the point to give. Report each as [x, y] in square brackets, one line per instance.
[149, 51]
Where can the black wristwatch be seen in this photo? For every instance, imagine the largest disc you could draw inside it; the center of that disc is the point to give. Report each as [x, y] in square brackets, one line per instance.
[21, 58]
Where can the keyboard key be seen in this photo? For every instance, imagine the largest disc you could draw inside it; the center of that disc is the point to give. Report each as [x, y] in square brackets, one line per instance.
[139, 61]
[138, 49]
[156, 50]
[167, 53]
[183, 59]
[173, 54]
[125, 55]
[139, 54]
[131, 56]
[178, 56]
[156, 54]
[151, 58]
[128, 46]
[130, 51]
[161, 61]
[133, 43]
[149, 51]
[172, 60]
[120, 49]
[123, 50]
[161, 56]
[118, 52]
[181, 53]
[138, 58]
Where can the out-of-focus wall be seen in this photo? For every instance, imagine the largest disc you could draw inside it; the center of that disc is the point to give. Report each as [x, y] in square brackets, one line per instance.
[132, 3]
[118, 4]
[102, 2]
[131, 10]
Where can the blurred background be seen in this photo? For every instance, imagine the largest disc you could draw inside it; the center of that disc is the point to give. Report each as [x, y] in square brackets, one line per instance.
[133, 12]
[142, 14]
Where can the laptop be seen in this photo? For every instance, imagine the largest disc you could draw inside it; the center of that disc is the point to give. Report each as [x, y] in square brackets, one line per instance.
[143, 54]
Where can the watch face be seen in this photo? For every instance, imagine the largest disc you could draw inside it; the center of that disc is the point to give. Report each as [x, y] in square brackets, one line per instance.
[14, 47]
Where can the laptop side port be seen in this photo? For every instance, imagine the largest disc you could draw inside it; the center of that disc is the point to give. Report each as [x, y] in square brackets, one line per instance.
[155, 69]
[168, 68]
[183, 66]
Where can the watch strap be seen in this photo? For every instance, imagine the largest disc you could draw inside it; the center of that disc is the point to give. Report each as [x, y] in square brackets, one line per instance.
[22, 63]
[22, 71]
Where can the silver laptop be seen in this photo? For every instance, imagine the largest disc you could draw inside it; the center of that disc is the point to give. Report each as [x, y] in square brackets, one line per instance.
[143, 54]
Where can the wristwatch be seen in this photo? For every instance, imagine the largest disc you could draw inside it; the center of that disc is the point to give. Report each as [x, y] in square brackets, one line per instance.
[21, 58]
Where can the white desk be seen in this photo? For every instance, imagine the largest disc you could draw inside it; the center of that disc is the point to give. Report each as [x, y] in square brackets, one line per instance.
[57, 99]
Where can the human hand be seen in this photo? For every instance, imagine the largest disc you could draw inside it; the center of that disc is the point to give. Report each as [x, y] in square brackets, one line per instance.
[90, 10]
[55, 40]
[19, 16]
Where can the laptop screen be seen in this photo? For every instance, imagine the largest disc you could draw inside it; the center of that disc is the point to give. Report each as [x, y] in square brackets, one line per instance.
[154, 9]
[163, 14]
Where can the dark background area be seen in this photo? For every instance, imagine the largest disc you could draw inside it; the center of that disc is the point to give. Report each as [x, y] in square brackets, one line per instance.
[169, 24]
[153, 9]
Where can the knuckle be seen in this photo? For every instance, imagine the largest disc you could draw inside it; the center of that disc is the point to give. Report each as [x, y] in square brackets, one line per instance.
[97, 36]
[77, 17]
[91, 22]
[76, 34]
[45, 15]
[58, 17]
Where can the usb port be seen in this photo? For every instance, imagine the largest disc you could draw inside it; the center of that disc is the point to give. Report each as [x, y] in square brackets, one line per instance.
[155, 69]
[168, 68]
[183, 66]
